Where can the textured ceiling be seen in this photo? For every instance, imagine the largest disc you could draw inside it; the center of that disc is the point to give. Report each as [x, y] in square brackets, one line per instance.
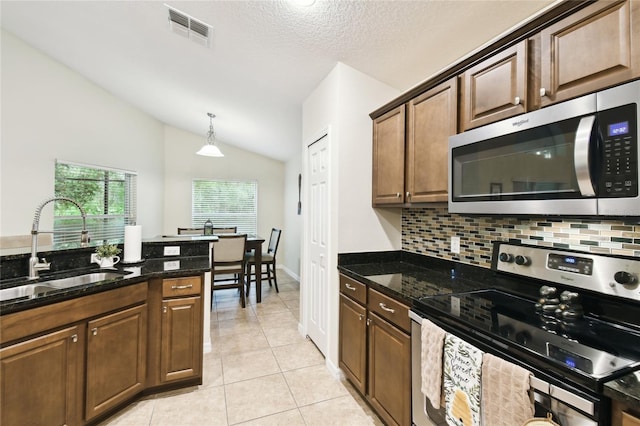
[266, 56]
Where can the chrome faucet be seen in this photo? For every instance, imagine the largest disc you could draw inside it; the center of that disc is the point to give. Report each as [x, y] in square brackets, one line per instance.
[35, 264]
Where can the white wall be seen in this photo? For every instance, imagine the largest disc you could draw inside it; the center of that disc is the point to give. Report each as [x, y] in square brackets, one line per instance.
[342, 103]
[292, 235]
[50, 112]
[182, 166]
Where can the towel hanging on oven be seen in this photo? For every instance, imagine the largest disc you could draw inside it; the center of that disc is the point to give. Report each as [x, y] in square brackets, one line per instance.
[506, 400]
[431, 361]
[462, 371]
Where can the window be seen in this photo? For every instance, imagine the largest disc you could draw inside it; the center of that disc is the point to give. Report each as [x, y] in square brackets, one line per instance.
[225, 203]
[108, 197]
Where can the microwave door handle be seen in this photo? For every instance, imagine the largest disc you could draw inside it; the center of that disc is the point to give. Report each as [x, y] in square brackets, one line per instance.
[581, 155]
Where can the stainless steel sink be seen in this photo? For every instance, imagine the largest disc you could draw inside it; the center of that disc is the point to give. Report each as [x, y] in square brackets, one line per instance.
[40, 288]
[29, 290]
[94, 277]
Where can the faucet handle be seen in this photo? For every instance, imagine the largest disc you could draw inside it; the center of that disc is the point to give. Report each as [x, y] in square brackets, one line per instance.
[42, 265]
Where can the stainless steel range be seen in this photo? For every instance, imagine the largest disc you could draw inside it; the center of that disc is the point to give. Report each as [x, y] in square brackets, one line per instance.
[571, 318]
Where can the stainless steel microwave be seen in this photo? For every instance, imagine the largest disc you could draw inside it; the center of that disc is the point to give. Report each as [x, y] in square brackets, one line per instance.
[579, 157]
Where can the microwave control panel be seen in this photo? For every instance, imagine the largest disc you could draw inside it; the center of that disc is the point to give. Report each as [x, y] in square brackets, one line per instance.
[619, 131]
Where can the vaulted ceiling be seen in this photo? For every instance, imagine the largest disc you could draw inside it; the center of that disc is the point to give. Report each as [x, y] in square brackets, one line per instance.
[264, 59]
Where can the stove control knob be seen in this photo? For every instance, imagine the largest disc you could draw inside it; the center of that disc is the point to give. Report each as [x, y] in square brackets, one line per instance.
[523, 260]
[506, 257]
[523, 337]
[624, 278]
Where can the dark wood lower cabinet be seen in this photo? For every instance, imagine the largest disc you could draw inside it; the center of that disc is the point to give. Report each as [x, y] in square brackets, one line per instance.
[389, 371]
[375, 349]
[353, 342]
[75, 362]
[181, 355]
[116, 359]
[42, 379]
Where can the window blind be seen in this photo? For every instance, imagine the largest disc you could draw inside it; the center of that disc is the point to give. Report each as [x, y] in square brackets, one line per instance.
[225, 203]
[108, 197]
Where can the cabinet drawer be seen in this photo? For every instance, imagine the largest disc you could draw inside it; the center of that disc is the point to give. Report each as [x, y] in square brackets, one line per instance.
[353, 289]
[389, 309]
[177, 287]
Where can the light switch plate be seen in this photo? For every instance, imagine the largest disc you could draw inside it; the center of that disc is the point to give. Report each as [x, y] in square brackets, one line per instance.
[172, 250]
[455, 245]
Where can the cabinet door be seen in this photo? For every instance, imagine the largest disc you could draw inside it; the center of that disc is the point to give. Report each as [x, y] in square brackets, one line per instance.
[630, 420]
[495, 88]
[353, 342]
[181, 355]
[388, 157]
[433, 117]
[41, 380]
[389, 371]
[597, 47]
[116, 359]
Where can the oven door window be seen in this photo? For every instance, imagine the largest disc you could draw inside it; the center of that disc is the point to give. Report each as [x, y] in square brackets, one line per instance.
[537, 163]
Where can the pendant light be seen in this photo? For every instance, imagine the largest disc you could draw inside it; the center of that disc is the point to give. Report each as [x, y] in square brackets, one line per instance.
[210, 149]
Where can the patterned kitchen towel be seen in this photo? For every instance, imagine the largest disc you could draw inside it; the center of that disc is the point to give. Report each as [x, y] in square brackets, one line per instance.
[506, 400]
[431, 362]
[462, 370]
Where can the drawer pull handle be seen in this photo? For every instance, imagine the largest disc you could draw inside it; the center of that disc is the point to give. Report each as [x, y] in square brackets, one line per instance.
[384, 307]
[350, 287]
[181, 287]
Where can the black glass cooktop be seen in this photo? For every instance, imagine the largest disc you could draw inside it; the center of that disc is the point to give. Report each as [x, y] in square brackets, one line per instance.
[590, 346]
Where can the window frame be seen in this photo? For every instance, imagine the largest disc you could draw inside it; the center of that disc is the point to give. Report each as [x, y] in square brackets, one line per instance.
[106, 227]
[226, 219]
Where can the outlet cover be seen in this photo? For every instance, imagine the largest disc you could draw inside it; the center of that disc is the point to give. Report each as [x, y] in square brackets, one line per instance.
[455, 245]
[172, 250]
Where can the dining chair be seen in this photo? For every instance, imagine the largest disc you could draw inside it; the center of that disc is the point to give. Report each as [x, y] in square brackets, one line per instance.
[268, 261]
[190, 231]
[225, 230]
[228, 264]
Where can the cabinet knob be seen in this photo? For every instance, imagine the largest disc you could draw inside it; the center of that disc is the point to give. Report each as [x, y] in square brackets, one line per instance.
[74, 338]
[398, 195]
[543, 92]
[408, 194]
[361, 317]
[94, 331]
[516, 100]
[164, 309]
[368, 321]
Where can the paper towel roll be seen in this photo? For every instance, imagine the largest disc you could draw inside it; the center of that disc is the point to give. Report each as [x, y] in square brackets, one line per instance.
[132, 243]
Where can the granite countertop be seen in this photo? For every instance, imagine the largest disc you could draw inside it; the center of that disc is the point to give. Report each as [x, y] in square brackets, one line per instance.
[134, 273]
[626, 389]
[409, 277]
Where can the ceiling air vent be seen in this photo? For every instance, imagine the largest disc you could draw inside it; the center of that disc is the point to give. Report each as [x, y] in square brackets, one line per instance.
[186, 26]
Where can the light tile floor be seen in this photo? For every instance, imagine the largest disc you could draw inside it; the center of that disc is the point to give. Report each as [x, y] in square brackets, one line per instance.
[261, 372]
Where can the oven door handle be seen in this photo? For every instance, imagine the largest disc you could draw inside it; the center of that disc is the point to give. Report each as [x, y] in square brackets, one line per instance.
[581, 149]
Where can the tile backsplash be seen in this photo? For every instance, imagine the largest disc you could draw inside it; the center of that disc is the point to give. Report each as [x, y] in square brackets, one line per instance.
[428, 231]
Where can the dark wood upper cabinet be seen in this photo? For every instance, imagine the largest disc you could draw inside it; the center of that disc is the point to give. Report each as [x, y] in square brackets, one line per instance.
[433, 117]
[597, 47]
[388, 157]
[495, 88]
